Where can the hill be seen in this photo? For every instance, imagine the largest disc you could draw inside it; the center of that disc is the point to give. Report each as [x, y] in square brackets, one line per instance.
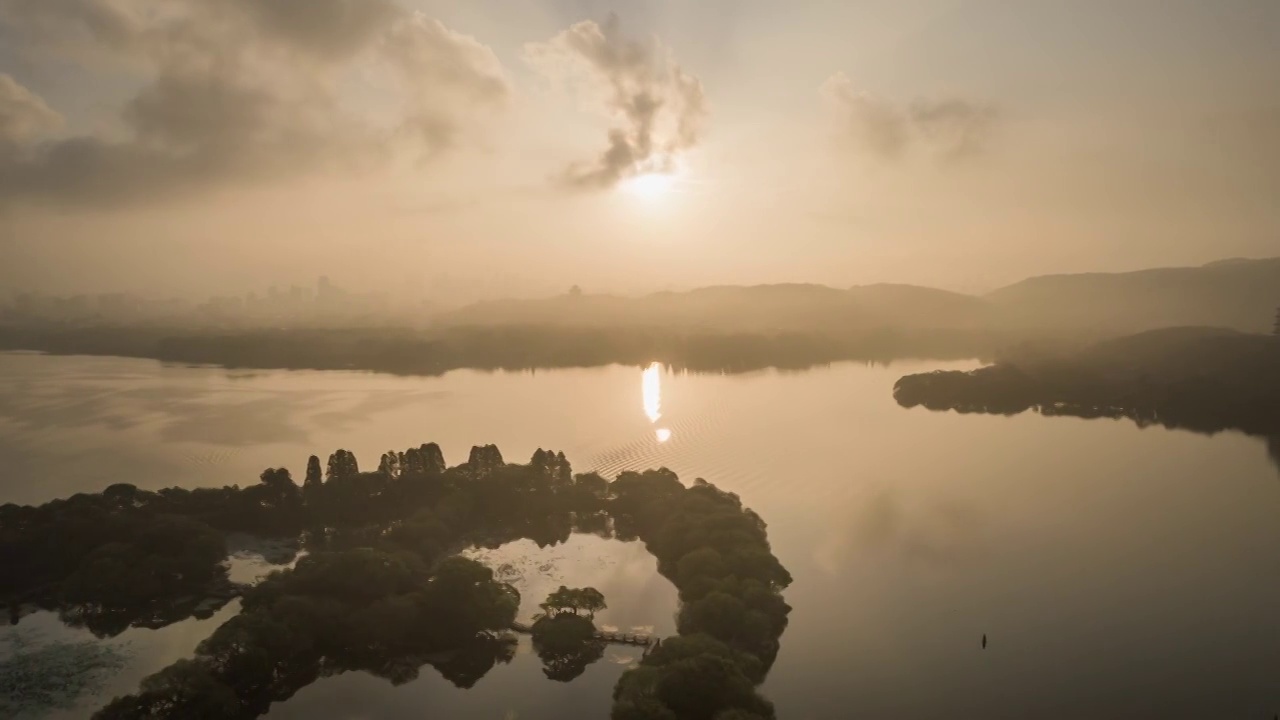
[1238, 294]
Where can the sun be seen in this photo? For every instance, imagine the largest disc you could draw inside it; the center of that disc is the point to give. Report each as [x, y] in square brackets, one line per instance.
[650, 185]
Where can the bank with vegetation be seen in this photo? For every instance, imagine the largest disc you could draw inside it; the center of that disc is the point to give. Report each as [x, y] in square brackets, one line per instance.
[1201, 379]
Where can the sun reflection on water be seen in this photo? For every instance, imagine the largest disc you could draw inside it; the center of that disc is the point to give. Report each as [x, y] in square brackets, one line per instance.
[651, 393]
[651, 386]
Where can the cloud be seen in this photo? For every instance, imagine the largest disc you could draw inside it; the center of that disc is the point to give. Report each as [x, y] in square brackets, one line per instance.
[876, 122]
[64, 25]
[657, 109]
[442, 70]
[239, 91]
[330, 30]
[23, 115]
[949, 129]
[957, 128]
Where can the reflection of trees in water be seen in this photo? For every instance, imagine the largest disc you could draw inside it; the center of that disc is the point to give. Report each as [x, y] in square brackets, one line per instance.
[108, 622]
[1273, 448]
[565, 666]
[465, 666]
[566, 644]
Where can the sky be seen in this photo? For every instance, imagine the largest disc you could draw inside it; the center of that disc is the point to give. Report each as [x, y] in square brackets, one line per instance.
[499, 147]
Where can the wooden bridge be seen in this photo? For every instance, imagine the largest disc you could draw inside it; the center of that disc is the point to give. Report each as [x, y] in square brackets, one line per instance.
[637, 639]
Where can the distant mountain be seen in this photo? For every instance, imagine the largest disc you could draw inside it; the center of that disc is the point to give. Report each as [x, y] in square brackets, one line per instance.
[1239, 294]
[760, 308]
[729, 328]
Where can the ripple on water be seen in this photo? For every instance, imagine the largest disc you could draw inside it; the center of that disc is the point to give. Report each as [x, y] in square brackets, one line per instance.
[698, 446]
[211, 458]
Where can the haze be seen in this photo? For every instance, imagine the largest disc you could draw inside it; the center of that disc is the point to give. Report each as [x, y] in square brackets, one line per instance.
[484, 149]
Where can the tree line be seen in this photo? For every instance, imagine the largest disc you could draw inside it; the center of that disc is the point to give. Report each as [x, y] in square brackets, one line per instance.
[513, 347]
[1204, 381]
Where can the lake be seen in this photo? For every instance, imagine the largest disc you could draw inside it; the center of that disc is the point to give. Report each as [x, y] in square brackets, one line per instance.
[1117, 571]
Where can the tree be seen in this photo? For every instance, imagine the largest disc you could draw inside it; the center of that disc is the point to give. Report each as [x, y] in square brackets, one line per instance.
[553, 467]
[465, 599]
[563, 472]
[558, 601]
[423, 461]
[539, 460]
[278, 479]
[591, 483]
[121, 495]
[275, 500]
[165, 557]
[484, 460]
[701, 686]
[591, 600]
[574, 599]
[726, 618]
[702, 564]
[314, 477]
[432, 458]
[342, 464]
[390, 465]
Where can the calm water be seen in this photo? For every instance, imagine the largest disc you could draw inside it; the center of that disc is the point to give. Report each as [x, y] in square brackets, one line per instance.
[1118, 572]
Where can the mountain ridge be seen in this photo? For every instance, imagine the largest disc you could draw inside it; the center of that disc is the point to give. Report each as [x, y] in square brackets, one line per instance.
[1235, 293]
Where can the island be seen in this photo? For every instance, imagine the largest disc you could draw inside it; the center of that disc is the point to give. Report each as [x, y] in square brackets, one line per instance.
[1201, 379]
[382, 588]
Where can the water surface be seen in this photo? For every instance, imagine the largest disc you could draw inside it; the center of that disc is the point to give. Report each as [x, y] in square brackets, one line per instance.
[1117, 571]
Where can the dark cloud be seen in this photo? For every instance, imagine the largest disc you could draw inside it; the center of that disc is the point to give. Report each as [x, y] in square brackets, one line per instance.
[187, 130]
[237, 91]
[327, 29]
[63, 24]
[949, 129]
[22, 114]
[184, 111]
[657, 107]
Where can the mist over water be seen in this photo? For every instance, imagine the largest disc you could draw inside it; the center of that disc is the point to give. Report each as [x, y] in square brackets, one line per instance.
[1116, 570]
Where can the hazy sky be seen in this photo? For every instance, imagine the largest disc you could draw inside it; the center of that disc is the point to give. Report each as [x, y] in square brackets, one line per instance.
[198, 146]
